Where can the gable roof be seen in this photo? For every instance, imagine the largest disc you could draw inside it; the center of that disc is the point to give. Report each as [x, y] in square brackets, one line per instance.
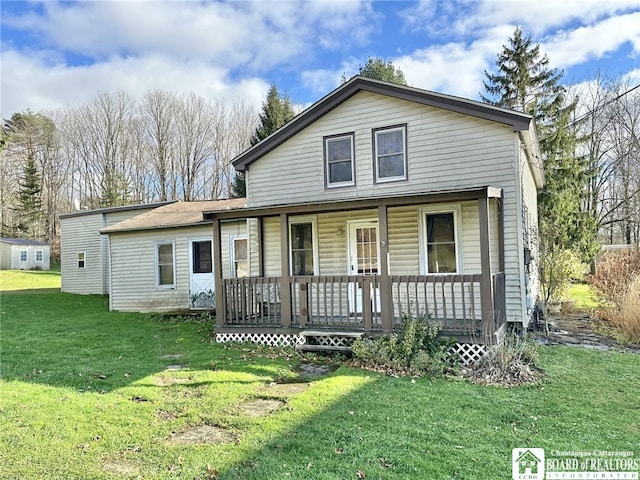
[123, 208]
[520, 122]
[178, 214]
[23, 241]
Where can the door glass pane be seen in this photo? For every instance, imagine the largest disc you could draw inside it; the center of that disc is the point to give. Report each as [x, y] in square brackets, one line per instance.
[202, 262]
[367, 250]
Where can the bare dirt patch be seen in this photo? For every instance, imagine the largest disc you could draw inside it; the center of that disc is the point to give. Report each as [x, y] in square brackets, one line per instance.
[119, 467]
[203, 434]
[260, 407]
[284, 389]
[168, 381]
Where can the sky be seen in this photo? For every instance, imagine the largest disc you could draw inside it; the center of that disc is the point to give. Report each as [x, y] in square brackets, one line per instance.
[63, 54]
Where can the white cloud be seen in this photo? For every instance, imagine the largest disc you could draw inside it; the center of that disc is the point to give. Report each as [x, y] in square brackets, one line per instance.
[454, 68]
[571, 47]
[29, 81]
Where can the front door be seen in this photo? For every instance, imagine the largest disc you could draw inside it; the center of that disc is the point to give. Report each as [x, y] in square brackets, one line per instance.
[364, 252]
[201, 288]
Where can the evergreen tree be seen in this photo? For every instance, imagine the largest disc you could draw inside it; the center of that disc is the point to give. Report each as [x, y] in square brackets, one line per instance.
[526, 83]
[30, 202]
[379, 69]
[276, 111]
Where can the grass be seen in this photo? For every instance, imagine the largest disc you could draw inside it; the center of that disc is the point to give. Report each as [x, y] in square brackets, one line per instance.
[86, 395]
[13, 280]
[583, 296]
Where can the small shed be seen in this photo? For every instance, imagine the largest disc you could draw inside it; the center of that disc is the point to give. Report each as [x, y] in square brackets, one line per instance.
[23, 254]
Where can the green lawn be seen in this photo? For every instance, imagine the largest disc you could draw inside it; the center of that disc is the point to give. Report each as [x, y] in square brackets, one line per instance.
[12, 280]
[85, 394]
[583, 296]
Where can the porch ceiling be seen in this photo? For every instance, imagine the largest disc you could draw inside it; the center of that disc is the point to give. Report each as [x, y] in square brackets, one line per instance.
[358, 203]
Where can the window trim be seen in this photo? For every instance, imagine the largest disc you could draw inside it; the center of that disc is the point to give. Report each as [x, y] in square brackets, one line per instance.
[83, 260]
[158, 244]
[41, 252]
[374, 140]
[314, 238]
[423, 211]
[232, 254]
[325, 151]
[26, 256]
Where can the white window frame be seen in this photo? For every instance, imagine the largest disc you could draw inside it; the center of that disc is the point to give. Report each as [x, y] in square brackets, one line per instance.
[158, 244]
[232, 255]
[83, 260]
[327, 179]
[41, 254]
[376, 164]
[26, 256]
[454, 208]
[314, 238]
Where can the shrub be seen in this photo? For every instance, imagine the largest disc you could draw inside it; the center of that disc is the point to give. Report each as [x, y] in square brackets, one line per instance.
[617, 280]
[614, 274]
[417, 350]
[508, 364]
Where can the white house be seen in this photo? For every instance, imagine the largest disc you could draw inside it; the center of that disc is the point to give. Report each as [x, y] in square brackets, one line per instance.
[23, 254]
[382, 201]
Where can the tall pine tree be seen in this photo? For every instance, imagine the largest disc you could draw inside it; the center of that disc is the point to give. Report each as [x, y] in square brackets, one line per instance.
[29, 208]
[525, 82]
[276, 111]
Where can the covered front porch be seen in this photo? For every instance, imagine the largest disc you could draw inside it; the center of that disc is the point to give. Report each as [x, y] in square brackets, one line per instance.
[469, 306]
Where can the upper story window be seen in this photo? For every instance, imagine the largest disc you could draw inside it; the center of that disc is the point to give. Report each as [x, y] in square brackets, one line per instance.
[339, 161]
[165, 265]
[23, 255]
[390, 153]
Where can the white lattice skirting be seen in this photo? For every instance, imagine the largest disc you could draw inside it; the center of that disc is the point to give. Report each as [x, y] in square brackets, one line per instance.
[271, 339]
[469, 353]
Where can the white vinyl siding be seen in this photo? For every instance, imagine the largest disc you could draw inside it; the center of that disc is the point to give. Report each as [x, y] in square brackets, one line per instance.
[447, 151]
[81, 233]
[133, 267]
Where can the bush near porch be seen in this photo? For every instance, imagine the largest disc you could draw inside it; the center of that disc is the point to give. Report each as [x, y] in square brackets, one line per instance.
[86, 393]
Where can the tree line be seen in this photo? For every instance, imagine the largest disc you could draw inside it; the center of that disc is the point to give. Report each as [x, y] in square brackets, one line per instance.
[117, 150]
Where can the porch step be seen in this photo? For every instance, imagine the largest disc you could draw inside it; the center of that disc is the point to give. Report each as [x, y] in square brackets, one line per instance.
[328, 341]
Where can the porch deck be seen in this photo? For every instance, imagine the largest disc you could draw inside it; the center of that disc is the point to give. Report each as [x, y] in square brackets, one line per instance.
[371, 304]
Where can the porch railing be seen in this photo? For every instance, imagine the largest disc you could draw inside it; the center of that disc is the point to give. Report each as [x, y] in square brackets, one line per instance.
[355, 301]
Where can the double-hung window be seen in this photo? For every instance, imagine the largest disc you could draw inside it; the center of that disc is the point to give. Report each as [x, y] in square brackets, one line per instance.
[39, 256]
[165, 265]
[339, 161]
[23, 255]
[390, 153]
[303, 245]
[239, 257]
[81, 259]
[440, 240]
